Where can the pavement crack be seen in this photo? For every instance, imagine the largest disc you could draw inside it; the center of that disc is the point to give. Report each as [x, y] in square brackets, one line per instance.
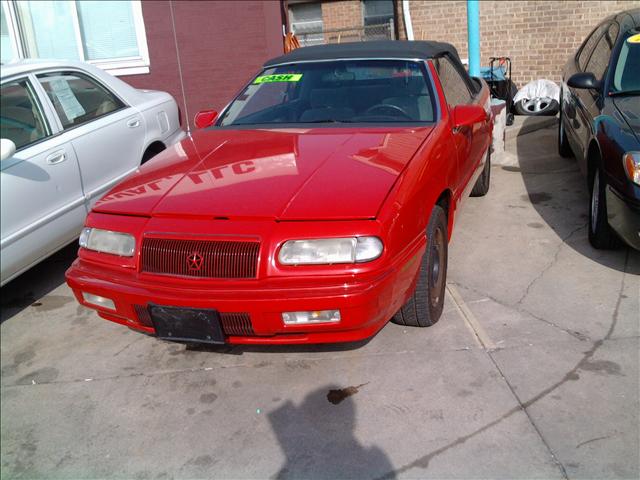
[423, 461]
[523, 406]
[553, 261]
[592, 440]
[574, 333]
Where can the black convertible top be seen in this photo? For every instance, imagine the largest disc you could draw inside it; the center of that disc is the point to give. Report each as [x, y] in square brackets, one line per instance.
[375, 49]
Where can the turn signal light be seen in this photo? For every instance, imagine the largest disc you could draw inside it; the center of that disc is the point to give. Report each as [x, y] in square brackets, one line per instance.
[631, 162]
[98, 301]
[316, 316]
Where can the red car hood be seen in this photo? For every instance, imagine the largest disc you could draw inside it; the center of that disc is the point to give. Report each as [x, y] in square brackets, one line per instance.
[287, 174]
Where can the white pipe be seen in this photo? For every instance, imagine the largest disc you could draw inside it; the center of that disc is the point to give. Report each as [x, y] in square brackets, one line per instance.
[406, 15]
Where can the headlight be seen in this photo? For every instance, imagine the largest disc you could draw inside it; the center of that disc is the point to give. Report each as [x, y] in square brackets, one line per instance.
[105, 241]
[631, 162]
[330, 250]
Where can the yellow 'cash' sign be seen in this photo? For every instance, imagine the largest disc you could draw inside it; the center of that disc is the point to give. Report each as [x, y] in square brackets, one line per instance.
[283, 77]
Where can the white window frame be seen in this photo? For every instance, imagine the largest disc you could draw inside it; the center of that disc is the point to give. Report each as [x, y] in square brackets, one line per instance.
[115, 66]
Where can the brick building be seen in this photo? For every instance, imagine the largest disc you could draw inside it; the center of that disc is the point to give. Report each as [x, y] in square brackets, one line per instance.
[217, 47]
[201, 52]
[539, 36]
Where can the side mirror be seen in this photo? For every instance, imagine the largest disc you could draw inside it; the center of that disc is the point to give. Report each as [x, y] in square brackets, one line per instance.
[586, 80]
[468, 115]
[7, 149]
[206, 118]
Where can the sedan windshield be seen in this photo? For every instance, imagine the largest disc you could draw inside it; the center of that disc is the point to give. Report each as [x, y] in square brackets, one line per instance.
[626, 76]
[347, 91]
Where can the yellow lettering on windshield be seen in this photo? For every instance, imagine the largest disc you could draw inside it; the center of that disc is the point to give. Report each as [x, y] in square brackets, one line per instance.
[634, 38]
[284, 77]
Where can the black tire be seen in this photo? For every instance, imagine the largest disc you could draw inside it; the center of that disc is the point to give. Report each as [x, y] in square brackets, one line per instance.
[522, 107]
[424, 308]
[482, 185]
[564, 149]
[601, 235]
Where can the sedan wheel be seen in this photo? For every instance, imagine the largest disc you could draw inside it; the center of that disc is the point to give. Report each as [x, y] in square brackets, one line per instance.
[424, 307]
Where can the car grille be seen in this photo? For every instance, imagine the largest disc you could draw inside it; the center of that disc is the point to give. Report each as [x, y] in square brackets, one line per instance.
[232, 323]
[200, 258]
[143, 315]
[236, 324]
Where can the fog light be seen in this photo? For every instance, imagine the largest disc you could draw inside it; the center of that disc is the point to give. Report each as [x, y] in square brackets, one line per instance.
[316, 316]
[98, 301]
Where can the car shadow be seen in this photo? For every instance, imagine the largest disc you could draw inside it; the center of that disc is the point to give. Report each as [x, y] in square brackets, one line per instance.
[318, 438]
[277, 349]
[558, 191]
[36, 282]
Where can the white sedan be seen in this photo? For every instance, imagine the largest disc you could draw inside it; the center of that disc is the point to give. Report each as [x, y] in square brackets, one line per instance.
[69, 132]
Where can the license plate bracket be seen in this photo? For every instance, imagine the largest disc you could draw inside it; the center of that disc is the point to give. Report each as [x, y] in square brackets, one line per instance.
[180, 324]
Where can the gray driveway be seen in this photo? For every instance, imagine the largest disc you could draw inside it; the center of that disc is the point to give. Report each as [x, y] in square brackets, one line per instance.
[532, 372]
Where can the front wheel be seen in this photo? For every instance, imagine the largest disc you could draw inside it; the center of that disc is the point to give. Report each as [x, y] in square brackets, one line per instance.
[424, 307]
[601, 235]
[481, 187]
[564, 149]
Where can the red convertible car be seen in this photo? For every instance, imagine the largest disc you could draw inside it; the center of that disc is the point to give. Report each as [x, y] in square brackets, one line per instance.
[317, 206]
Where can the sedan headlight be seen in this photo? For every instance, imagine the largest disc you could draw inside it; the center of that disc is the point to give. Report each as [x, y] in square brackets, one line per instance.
[106, 241]
[631, 162]
[330, 250]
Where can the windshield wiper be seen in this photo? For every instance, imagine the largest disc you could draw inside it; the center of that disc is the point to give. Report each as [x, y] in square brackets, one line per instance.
[624, 92]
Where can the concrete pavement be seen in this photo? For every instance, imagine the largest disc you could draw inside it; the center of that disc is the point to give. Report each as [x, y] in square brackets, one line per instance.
[532, 372]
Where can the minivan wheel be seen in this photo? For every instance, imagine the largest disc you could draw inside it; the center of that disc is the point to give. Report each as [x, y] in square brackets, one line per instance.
[425, 305]
[601, 235]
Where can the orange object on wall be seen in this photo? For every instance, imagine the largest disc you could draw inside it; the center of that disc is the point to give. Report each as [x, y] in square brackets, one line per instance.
[290, 42]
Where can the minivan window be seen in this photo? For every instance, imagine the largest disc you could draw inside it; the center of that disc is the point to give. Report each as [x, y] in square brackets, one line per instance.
[587, 46]
[599, 59]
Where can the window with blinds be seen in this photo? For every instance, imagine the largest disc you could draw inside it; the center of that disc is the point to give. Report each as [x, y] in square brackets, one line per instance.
[109, 34]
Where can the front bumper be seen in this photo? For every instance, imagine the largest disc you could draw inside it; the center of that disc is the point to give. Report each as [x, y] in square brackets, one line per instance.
[624, 217]
[365, 302]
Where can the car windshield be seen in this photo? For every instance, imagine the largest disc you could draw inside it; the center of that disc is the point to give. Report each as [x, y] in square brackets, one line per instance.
[626, 78]
[346, 91]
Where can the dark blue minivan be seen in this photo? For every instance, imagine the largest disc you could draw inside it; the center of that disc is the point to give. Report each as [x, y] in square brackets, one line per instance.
[600, 125]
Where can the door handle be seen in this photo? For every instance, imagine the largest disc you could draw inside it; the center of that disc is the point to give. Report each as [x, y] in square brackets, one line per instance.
[56, 157]
[133, 123]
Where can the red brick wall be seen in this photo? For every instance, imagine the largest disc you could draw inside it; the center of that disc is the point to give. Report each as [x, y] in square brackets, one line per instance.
[221, 44]
[342, 14]
[539, 36]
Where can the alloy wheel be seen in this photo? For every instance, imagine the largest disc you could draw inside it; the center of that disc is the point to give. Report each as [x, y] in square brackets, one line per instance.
[535, 105]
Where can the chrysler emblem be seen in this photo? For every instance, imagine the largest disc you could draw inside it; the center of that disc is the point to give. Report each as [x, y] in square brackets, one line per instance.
[194, 260]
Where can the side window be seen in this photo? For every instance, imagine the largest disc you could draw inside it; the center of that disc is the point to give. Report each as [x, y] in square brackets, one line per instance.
[587, 47]
[21, 119]
[454, 86]
[77, 98]
[599, 59]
